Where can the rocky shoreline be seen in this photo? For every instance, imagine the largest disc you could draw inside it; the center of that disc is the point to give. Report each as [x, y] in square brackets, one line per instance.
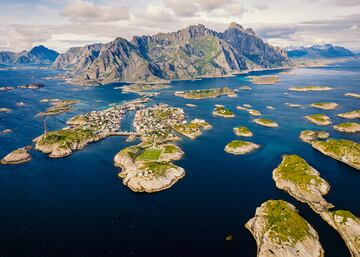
[280, 231]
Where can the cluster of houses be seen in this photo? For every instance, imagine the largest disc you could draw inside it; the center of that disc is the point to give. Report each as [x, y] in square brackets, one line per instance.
[158, 120]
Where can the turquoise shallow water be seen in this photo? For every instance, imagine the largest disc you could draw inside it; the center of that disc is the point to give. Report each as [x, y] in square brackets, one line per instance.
[77, 206]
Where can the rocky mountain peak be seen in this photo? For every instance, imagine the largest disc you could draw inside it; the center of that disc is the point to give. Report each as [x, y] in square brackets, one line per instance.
[234, 25]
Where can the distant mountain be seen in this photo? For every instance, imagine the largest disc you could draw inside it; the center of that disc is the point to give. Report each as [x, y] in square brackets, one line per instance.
[37, 55]
[188, 53]
[320, 51]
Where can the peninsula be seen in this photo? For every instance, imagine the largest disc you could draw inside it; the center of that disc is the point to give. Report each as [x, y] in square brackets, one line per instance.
[272, 239]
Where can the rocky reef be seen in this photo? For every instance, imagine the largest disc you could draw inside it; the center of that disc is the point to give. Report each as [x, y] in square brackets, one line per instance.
[280, 231]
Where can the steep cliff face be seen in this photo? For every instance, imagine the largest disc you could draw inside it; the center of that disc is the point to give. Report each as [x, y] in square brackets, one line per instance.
[191, 52]
[37, 55]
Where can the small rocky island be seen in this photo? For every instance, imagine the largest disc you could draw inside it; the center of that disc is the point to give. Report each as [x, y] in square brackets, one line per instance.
[264, 80]
[346, 151]
[309, 135]
[325, 106]
[310, 88]
[302, 181]
[266, 123]
[6, 110]
[245, 88]
[17, 156]
[57, 106]
[348, 127]
[238, 147]
[220, 110]
[31, 86]
[254, 112]
[148, 168]
[280, 231]
[206, 93]
[243, 131]
[319, 119]
[293, 105]
[350, 115]
[353, 95]
[192, 129]
[142, 89]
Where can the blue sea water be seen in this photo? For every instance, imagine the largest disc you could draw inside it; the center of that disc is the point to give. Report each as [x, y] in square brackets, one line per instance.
[77, 206]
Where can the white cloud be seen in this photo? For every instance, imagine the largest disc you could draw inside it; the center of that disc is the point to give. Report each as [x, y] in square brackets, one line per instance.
[85, 11]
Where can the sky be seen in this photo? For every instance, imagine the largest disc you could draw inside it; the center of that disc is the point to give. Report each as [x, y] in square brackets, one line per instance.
[63, 24]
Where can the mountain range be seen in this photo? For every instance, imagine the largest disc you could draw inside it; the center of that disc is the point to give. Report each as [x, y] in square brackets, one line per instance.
[195, 51]
[320, 51]
[37, 55]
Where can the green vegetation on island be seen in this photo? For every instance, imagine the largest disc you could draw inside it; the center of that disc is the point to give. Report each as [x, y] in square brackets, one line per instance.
[206, 93]
[302, 181]
[264, 80]
[342, 150]
[17, 156]
[143, 88]
[309, 135]
[281, 231]
[243, 131]
[325, 106]
[350, 115]
[240, 147]
[310, 88]
[348, 127]
[148, 168]
[254, 112]
[192, 129]
[58, 106]
[220, 110]
[319, 119]
[266, 123]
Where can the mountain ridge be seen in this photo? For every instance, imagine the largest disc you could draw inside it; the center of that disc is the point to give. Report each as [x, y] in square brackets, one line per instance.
[37, 55]
[194, 51]
[327, 51]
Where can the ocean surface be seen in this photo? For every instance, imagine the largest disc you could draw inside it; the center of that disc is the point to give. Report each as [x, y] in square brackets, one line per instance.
[77, 206]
